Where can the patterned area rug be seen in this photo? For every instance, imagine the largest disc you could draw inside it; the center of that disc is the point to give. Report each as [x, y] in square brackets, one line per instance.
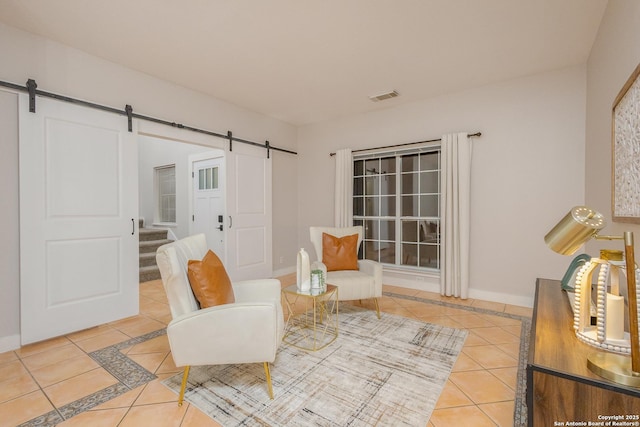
[378, 372]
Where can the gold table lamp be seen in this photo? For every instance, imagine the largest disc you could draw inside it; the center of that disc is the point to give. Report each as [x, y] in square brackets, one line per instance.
[576, 228]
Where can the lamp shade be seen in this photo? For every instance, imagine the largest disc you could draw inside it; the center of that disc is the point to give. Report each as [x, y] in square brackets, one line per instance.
[577, 226]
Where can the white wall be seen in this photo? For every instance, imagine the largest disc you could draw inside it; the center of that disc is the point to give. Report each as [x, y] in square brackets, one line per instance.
[60, 69]
[9, 223]
[614, 56]
[528, 170]
[155, 152]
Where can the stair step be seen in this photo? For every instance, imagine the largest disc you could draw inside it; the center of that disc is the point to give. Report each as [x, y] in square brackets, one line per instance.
[149, 234]
[147, 259]
[149, 273]
[151, 246]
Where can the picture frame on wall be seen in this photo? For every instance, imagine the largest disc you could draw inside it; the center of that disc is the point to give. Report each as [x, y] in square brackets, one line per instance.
[625, 170]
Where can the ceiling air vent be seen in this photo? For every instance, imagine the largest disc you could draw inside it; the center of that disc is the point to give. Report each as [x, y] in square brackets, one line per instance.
[384, 96]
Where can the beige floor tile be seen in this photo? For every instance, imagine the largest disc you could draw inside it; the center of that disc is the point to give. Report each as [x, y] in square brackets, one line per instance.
[452, 396]
[453, 311]
[159, 344]
[12, 369]
[490, 357]
[102, 418]
[419, 311]
[165, 319]
[465, 363]
[512, 349]
[17, 386]
[398, 311]
[63, 370]
[168, 366]
[110, 337]
[501, 413]
[149, 361]
[436, 310]
[482, 387]
[496, 335]
[409, 303]
[144, 326]
[399, 290]
[519, 311]
[24, 408]
[474, 340]
[161, 414]
[428, 295]
[53, 356]
[196, 418]
[489, 305]
[515, 330]
[79, 386]
[509, 376]
[385, 302]
[501, 321]
[7, 356]
[460, 416]
[471, 321]
[41, 346]
[138, 326]
[154, 309]
[156, 392]
[89, 333]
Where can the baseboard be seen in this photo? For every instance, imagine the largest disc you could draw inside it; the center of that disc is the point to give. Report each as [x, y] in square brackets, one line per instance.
[432, 284]
[8, 343]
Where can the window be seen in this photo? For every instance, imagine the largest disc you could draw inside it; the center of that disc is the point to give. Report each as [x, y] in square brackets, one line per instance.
[165, 178]
[208, 178]
[396, 198]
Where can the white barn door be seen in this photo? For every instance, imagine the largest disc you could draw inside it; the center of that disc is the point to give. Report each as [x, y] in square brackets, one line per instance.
[78, 219]
[249, 207]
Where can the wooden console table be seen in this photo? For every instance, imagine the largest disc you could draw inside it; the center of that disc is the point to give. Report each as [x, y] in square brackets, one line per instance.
[560, 387]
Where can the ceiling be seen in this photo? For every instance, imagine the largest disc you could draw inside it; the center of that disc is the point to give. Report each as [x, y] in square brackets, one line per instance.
[305, 61]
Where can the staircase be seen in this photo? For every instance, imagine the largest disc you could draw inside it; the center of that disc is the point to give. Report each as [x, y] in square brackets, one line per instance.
[150, 240]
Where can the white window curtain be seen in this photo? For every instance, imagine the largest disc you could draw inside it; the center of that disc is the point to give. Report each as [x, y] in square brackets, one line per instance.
[455, 186]
[343, 214]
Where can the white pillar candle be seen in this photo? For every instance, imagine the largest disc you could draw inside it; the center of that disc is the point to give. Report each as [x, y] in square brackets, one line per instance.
[615, 317]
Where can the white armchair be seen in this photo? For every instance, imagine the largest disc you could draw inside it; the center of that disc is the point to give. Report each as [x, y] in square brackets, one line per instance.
[363, 283]
[247, 331]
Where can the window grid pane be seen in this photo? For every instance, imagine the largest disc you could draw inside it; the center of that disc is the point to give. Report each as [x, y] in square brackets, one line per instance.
[402, 190]
[166, 187]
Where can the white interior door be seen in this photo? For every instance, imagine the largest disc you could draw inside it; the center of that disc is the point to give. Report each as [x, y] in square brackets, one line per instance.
[78, 232]
[248, 213]
[208, 203]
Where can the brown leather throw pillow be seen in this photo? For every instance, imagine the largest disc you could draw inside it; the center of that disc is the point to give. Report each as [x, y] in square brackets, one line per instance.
[340, 253]
[209, 281]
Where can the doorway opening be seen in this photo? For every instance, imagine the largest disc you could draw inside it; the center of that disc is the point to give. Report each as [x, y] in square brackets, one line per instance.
[169, 206]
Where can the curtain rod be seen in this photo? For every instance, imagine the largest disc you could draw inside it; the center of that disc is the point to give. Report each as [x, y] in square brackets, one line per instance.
[405, 144]
[31, 85]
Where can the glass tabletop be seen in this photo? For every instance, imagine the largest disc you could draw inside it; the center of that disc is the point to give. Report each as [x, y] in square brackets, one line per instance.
[293, 289]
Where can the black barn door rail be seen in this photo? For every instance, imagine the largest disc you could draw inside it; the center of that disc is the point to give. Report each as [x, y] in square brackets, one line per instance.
[31, 88]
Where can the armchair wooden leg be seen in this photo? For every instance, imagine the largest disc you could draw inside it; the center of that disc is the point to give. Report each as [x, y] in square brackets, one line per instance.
[268, 375]
[184, 385]
[375, 300]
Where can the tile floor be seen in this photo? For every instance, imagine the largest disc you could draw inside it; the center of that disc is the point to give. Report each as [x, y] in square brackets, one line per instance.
[41, 377]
